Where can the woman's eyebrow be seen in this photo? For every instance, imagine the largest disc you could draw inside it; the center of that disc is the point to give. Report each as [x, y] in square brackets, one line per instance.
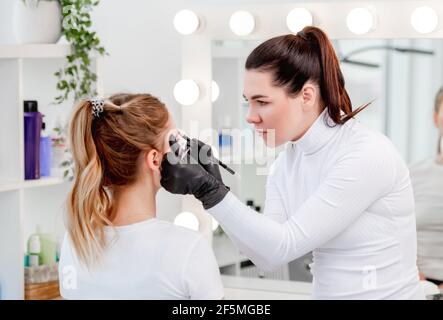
[257, 96]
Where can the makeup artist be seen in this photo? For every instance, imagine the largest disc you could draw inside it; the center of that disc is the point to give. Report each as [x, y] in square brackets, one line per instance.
[338, 189]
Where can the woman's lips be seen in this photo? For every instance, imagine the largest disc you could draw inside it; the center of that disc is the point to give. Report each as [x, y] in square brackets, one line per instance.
[261, 132]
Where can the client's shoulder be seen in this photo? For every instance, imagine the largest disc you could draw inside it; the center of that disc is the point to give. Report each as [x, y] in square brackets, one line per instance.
[178, 234]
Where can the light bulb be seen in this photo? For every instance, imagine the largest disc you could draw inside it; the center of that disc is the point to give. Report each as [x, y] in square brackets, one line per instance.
[360, 21]
[299, 18]
[186, 92]
[215, 91]
[186, 22]
[424, 19]
[242, 23]
[188, 220]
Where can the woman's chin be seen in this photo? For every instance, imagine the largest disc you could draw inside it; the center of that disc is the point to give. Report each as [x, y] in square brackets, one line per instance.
[270, 143]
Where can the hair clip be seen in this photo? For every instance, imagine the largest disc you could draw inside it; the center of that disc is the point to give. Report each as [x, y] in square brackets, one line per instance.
[97, 107]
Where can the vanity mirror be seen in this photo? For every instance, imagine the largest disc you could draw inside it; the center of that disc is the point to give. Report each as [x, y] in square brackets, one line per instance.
[390, 52]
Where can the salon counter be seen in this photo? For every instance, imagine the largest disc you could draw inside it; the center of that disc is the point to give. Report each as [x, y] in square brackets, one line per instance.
[243, 288]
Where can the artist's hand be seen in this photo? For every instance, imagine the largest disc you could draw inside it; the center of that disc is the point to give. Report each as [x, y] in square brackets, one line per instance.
[201, 153]
[207, 160]
[185, 175]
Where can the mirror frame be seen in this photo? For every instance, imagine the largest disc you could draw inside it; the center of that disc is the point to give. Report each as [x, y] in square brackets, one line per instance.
[392, 22]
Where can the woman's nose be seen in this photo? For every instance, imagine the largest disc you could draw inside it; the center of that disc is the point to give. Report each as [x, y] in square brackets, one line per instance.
[252, 117]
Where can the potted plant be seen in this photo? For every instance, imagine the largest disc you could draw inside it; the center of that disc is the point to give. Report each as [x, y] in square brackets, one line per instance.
[37, 21]
[76, 77]
[44, 21]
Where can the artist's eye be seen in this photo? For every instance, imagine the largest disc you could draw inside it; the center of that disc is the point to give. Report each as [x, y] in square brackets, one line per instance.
[261, 103]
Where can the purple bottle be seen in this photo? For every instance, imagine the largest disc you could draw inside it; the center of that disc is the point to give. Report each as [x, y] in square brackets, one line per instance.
[33, 125]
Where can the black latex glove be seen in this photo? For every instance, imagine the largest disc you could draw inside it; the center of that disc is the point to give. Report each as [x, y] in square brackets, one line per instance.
[206, 159]
[191, 174]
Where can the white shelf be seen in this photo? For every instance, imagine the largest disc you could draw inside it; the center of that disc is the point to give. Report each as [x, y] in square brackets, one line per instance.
[6, 186]
[42, 182]
[11, 51]
[26, 73]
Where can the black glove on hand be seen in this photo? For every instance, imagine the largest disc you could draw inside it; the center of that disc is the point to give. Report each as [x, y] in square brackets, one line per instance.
[206, 159]
[183, 173]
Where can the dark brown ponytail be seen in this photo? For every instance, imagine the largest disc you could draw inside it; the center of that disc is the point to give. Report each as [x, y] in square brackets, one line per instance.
[309, 55]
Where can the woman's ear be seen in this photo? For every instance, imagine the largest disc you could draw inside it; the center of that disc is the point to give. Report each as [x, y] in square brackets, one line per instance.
[151, 167]
[309, 94]
[436, 119]
[153, 160]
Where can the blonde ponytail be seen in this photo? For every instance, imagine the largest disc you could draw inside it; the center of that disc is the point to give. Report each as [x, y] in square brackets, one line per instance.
[105, 150]
[88, 201]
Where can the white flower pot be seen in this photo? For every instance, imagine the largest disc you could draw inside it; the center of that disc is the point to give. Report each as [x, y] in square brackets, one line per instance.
[6, 34]
[37, 21]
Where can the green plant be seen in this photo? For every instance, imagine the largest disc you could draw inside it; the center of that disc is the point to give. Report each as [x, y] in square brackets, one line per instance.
[76, 76]
[59, 139]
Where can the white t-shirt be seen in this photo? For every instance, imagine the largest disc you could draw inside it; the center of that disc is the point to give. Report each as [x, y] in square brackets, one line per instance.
[427, 181]
[344, 193]
[152, 259]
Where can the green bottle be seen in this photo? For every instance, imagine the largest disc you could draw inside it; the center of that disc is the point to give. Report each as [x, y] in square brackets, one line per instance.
[34, 250]
[48, 247]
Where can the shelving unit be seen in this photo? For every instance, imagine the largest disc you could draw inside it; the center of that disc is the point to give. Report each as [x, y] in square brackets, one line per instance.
[44, 181]
[26, 72]
[28, 51]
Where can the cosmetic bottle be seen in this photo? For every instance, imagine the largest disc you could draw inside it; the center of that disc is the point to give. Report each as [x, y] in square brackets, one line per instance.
[45, 152]
[32, 128]
[34, 250]
[48, 247]
[224, 136]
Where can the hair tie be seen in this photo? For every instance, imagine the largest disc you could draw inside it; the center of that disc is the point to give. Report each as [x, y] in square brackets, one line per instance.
[97, 107]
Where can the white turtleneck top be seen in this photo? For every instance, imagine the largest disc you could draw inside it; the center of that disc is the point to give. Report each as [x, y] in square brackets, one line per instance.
[344, 193]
